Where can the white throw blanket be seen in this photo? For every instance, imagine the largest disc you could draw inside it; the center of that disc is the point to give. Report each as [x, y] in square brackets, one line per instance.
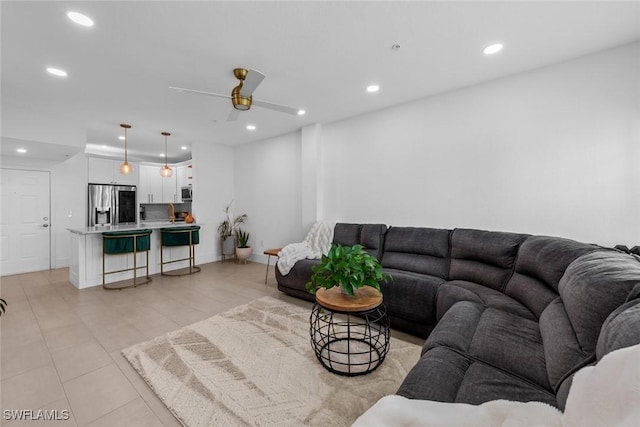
[317, 243]
[607, 395]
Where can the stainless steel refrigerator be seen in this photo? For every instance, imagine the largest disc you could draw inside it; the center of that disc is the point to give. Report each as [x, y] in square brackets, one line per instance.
[111, 204]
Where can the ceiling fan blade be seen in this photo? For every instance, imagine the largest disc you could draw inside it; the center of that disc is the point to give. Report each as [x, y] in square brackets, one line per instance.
[199, 92]
[251, 82]
[233, 115]
[277, 107]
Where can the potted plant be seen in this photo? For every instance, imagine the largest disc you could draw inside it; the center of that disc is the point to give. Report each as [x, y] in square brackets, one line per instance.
[227, 228]
[3, 306]
[349, 267]
[243, 250]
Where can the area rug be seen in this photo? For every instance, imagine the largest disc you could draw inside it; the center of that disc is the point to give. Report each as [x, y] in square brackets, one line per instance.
[254, 366]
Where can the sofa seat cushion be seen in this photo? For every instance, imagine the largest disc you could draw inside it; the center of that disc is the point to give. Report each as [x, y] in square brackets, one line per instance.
[444, 375]
[411, 296]
[460, 290]
[494, 337]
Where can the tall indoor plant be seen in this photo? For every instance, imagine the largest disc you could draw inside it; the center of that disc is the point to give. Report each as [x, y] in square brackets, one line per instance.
[349, 267]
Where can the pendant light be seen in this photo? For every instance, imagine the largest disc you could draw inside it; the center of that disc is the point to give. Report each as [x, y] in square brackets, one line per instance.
[125, 167]
[165, 171]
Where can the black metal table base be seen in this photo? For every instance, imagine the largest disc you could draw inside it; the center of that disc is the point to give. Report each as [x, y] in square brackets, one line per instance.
[350, 344]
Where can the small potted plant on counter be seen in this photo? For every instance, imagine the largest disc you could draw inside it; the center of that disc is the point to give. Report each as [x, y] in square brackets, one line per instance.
[349, 267]
[243, 250]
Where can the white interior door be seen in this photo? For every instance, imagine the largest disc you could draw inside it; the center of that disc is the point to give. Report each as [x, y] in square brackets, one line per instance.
[25, 231]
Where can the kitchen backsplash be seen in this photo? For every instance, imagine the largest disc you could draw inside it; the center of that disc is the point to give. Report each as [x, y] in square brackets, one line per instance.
[158, 211]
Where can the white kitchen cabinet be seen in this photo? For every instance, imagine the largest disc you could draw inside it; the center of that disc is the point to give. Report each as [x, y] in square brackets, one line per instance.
[181, 173]
[150, 190]
[107, 171]
[169, 188]
[154, 188]
[184, 175]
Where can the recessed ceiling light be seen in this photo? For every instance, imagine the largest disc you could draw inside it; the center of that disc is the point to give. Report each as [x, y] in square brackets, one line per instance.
[80, 19]
[57, 72]
[104, 146]
[493, 48]
[373, 88]
[184, 147]
[21, 150]
[121, 137]
[301, 112]
[251, 127]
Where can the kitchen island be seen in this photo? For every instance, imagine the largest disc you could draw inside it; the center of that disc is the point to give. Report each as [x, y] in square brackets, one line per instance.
[85, 260]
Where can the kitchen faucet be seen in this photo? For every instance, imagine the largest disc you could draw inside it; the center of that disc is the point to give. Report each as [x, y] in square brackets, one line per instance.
[172, 210]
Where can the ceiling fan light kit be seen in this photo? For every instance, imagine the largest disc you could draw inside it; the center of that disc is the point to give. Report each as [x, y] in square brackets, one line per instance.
[165, 171]
[240, 102]
[125, 167]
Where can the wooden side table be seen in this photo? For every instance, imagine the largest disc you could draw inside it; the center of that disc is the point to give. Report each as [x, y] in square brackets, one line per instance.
[270, 252]
[349, 334]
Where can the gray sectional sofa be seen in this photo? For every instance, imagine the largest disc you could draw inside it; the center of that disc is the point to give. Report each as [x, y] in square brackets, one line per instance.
[506, 316]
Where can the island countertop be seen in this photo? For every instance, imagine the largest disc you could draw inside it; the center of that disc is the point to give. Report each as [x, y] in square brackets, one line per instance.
[151, 225]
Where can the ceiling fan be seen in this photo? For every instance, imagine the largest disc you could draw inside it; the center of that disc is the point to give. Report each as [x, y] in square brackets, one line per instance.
[241, 95]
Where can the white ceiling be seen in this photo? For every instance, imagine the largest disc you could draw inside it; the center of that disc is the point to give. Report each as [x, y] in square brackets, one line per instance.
[319, 56]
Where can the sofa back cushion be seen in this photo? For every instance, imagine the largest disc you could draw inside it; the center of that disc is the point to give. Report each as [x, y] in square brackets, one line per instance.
[419, 250]
[483, 257]
[592, 288]
[346, 234]
[372, 238]
[620, 330]
[540, 264]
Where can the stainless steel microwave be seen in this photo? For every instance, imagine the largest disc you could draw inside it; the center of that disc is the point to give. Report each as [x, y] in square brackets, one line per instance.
[187, 193]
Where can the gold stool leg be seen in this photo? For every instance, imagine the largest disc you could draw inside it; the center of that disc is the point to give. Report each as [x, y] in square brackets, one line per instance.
[135, 260]
[103, 271]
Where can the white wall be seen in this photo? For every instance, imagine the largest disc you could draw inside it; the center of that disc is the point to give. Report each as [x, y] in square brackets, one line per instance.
[553, 151]
[213, 189]
[268, 190]
[68, 205]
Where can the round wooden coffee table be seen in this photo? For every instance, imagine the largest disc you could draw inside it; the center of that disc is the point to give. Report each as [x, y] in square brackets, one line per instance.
[349, 334]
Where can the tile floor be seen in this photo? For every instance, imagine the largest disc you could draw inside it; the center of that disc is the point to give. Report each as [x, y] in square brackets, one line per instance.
[60, 346]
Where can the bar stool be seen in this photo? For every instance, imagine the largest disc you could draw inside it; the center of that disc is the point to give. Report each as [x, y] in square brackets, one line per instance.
[126, 242]
[180, 236]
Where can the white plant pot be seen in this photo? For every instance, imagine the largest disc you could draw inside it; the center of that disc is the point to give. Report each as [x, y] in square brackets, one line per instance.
[228, 245]
[242, 254]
